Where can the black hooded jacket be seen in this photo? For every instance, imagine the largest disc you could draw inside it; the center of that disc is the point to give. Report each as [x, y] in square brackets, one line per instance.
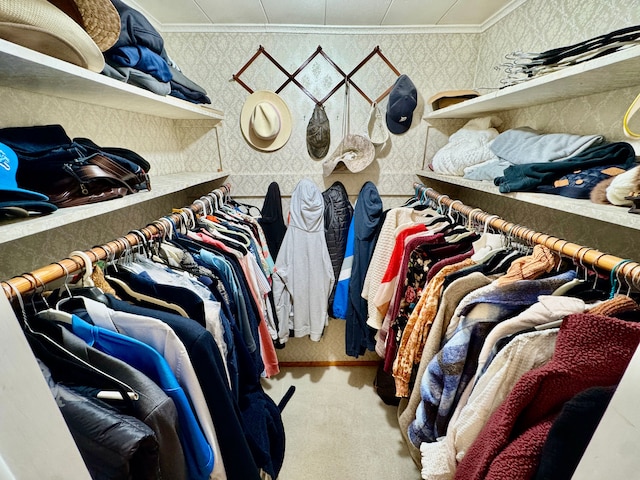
[272, 220]
[337, 217]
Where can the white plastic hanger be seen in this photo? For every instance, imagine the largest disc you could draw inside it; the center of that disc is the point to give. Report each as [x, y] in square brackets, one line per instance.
[67, 318]
[88, 269]
[488, 244]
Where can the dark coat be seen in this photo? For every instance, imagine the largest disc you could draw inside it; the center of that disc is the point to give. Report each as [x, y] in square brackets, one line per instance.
[337, 217]
[272, 219]
[367, 221]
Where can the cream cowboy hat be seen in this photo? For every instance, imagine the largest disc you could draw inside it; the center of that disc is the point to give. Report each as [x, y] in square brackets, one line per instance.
[40, 26]
[265, 121]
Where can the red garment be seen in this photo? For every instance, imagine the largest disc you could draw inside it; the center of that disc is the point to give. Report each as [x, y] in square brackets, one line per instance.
[591, 350]
[390, 278]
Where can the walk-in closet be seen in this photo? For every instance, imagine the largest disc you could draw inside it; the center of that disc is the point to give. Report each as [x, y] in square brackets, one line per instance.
[304, 240]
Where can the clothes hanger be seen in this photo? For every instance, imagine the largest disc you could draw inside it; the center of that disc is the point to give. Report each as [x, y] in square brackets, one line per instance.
[578, 261]
[590, 292]
[120, 284]
[458, 233]
[232, 235]
[439, 216]
[141, 297]
[127, 391]
[489, 244]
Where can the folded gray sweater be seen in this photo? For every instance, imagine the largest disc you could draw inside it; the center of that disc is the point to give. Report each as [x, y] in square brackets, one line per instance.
[524, 145]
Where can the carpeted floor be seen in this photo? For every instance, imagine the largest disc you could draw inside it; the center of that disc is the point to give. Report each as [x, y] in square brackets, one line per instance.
[337, 428]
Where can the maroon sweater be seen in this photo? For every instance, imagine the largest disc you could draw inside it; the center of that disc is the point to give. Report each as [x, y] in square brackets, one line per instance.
[591, 350]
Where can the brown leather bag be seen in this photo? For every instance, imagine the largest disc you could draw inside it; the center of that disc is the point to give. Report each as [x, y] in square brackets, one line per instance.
[96, 179]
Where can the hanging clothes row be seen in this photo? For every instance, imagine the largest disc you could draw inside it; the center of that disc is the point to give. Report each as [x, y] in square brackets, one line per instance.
[493, 335]
[155, 351]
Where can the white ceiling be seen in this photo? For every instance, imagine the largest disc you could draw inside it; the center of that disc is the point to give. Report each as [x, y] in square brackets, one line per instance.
[362, 13]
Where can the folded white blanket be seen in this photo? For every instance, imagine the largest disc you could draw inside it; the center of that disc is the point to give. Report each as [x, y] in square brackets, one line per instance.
[468, 146]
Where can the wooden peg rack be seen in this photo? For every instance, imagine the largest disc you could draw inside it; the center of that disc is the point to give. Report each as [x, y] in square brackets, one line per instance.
[346, 77]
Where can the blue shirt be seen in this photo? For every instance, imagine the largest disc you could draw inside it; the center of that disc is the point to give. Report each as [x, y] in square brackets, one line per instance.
[197, 452]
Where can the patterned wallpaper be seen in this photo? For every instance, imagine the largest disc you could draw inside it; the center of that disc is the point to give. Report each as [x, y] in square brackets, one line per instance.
[434, 61]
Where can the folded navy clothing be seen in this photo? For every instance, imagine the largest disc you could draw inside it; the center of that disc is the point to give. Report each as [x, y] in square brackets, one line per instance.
[135, 29]
[179, 91]
[526, 178]
[181, 79]
[140, 58]
[579, 183]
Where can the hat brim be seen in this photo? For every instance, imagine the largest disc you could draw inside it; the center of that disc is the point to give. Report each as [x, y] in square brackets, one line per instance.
[397, 128]
[285, 121]
[40, 26]
[99, 18]
[22, 208]
[20, 194]
[355, 152]
[451, 97]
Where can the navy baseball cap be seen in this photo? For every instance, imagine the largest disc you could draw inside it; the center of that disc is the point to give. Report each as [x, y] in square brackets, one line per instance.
[403, 100]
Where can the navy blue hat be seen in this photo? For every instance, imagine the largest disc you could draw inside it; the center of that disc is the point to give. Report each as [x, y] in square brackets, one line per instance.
[403, 100]
[25, 208]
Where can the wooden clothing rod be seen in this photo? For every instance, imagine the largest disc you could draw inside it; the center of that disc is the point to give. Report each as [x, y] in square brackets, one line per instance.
[586, 256]
[67, 267]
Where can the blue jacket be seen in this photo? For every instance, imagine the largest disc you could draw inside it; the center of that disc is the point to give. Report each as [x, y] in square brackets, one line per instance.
[206, 359]
[197, 451]
[341, 297]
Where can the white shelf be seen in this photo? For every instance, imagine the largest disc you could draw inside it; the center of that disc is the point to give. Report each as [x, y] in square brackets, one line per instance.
[25, 69]
[160, 186]
[617, 70]
[585, 208]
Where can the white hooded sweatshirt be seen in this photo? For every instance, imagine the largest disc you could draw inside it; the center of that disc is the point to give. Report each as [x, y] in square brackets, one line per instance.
[304, 276]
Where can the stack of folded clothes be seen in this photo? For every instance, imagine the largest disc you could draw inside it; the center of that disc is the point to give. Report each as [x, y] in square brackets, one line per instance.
[139, 58]
[523, 66]
[525, 160]
[47, 166]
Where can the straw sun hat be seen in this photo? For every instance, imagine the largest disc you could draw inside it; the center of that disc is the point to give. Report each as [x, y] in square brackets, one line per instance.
[41, 26]
[99, 18]
[265, 121]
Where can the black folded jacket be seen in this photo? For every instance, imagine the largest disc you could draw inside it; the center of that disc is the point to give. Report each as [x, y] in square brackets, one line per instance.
[527, 177]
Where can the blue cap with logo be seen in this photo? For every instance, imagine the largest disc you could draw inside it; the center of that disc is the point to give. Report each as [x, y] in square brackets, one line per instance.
[403, 100]
[16, 201]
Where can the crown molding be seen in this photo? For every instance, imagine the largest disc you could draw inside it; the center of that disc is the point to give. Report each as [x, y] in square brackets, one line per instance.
[320, 29]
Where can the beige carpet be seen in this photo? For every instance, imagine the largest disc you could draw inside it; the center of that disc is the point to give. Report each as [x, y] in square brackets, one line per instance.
[337, 428]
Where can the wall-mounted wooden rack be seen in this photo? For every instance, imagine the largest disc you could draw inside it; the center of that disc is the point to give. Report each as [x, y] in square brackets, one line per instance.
[346, 77]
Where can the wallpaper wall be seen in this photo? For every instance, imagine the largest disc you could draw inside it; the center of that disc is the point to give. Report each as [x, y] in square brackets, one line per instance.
[434, 61]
